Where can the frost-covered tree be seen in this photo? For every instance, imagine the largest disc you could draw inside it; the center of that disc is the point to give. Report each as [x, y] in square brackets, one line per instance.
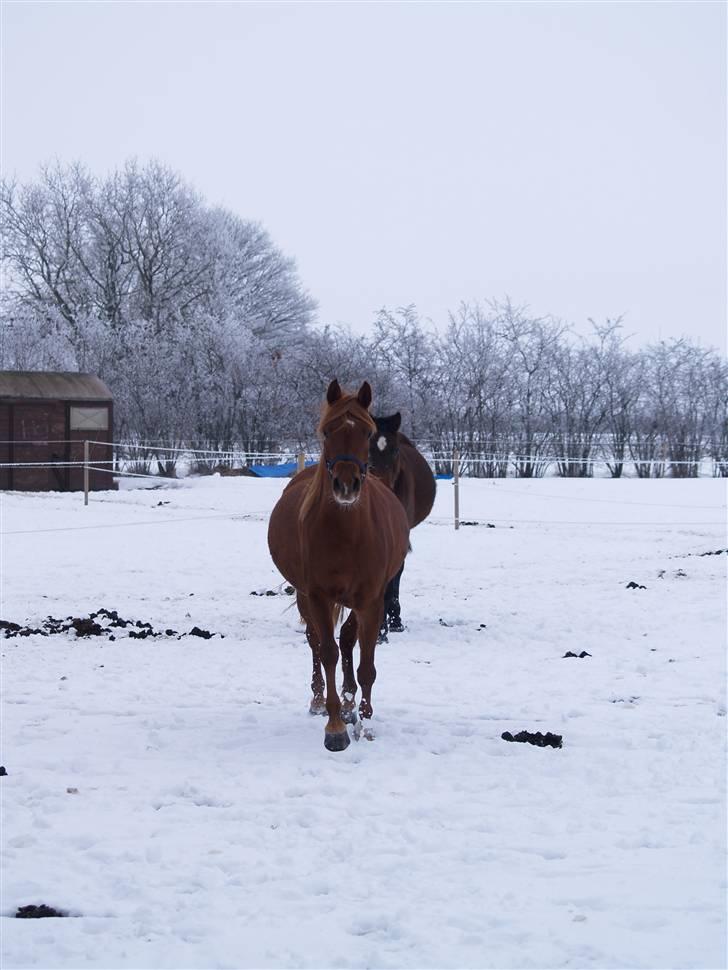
[135, 278]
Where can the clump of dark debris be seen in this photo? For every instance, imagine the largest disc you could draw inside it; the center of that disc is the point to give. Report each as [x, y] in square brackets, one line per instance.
[38, 912]
[98, 624]
[633, 585]
[547, 740]
[285, 591]
[579, 656]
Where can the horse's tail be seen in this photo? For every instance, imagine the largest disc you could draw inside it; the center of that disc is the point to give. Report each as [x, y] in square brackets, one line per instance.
[336, 613]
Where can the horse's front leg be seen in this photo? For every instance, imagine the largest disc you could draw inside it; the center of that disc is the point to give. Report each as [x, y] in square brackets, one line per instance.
[347, 639]
[317, 705]
[336, 737]
[366, 672]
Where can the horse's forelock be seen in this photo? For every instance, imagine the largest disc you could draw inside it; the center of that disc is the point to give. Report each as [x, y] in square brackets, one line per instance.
[347, 404]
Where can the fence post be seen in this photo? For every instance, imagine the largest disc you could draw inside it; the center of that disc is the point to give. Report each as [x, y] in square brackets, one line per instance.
[456, 483]
[301, 461]
[86, 450]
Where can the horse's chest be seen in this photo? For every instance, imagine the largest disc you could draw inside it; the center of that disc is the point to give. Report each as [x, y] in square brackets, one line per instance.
[342, 566]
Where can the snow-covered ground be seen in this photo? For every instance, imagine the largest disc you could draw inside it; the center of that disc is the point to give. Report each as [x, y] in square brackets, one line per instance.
[210, 827]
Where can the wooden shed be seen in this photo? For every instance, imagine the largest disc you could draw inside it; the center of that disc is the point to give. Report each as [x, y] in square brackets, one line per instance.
[45, 417]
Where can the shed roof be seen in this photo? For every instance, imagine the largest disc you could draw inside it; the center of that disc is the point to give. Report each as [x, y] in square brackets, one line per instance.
[52, 385]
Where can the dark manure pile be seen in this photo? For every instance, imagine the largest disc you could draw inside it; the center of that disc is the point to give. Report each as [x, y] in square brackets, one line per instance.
[547, 740]
[38, 912]
[102, 623]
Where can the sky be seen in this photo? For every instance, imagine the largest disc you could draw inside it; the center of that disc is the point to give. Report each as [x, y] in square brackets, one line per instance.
[571, 156]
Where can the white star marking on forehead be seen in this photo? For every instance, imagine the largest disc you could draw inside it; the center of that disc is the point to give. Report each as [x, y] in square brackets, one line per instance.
[381, 442]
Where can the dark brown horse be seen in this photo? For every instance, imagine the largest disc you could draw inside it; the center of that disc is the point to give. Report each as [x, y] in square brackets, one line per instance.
[338, 535]
[396, 461]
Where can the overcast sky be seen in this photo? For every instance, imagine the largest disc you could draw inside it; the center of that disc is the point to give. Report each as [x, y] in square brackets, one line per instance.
[572, 156]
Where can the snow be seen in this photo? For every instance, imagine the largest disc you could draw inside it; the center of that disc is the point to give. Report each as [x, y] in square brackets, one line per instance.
[210, 827]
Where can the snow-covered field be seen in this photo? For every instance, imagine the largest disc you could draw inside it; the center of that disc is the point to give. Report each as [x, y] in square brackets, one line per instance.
[210, 827]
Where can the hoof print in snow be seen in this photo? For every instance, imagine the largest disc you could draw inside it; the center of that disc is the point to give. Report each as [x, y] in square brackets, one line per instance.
[547, 740]
[3, 772]
[633, 585]
[38, 912]
[579, 656]
[443, 623]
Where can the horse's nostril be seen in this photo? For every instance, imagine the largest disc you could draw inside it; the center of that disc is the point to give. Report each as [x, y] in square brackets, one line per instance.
[337, 484]
[357, 485]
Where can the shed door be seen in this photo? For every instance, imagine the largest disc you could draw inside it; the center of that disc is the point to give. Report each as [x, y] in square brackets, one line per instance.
[90, 422]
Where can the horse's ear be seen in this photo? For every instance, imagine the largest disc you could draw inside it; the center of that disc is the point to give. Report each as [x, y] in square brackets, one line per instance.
[334, 392]
[364, 397]
[396, 420]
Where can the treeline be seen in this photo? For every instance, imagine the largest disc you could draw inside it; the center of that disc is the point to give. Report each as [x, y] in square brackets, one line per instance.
[206, 336]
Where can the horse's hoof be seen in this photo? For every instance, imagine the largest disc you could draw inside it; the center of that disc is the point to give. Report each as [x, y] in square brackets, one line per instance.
[317, 708]
[349, 717]
[396, 626]
[336, 742]
[382, 638]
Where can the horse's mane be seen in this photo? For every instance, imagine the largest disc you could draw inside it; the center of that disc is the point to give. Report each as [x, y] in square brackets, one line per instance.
[346, 404]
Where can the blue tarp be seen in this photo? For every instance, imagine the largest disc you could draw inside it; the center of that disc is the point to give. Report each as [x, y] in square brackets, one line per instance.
[277, 471]
[288, 468]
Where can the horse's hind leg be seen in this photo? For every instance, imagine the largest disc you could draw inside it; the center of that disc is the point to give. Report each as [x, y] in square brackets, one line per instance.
[392, 607]
[318, 705]
[347, 639]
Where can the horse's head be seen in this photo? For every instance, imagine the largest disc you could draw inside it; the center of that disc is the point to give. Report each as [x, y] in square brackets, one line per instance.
[347, 427]
[384, 449]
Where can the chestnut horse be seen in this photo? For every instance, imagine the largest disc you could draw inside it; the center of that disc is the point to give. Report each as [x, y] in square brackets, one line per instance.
[396, 461]
[338, 535]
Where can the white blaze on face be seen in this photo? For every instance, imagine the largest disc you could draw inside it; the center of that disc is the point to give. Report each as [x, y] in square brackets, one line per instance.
[381, 442]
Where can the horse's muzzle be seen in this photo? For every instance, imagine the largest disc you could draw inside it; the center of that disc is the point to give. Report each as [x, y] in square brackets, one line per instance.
[348, 478]
[346, 492]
